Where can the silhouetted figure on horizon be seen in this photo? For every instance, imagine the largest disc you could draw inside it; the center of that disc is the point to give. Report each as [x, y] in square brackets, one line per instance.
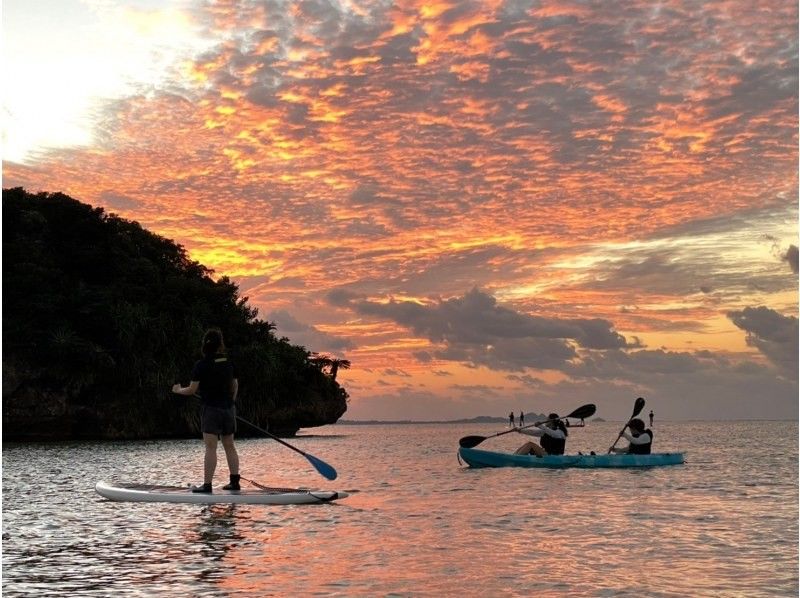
[511, 419]
[651, 418]
[521, 418]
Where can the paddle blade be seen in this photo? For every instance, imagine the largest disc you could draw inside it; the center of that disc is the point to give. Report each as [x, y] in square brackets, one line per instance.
[583, 412]
[326, 470]
[471, 441]
[637, 407]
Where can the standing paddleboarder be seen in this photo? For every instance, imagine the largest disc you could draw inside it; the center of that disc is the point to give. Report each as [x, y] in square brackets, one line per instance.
[214, 379]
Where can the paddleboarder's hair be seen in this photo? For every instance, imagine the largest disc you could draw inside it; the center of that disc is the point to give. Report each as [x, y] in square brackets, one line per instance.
[212, 342]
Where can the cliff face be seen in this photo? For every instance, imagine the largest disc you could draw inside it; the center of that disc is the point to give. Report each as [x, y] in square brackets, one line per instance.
[306, 414]
[101, 317]
[33, 410]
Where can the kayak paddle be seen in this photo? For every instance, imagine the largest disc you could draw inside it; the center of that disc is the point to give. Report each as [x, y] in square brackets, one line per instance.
[580, 413]
[323, 468]
[637, 408]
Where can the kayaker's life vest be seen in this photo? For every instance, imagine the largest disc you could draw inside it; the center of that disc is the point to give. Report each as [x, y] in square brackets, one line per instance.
[642, 449]
[553, 446]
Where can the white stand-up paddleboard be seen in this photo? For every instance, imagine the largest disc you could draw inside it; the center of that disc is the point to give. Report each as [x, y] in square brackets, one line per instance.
[178, 494]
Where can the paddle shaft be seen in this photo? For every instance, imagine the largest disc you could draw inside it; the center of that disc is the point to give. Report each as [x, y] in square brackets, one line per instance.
[523, 427]
[539, 423]
[277, 439]
[262, 430]
[617, 440]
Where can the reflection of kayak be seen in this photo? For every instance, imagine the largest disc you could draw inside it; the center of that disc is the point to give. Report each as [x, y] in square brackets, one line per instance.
[478, 458]
[267, 496]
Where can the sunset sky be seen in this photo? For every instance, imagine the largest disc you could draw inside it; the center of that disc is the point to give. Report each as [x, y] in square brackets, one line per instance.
[484, 205]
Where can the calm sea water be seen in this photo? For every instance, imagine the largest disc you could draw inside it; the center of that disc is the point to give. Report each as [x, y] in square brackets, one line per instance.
[418, 523]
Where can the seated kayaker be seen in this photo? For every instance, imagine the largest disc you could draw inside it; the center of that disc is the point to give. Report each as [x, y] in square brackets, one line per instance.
[641, 439]
[553, 434]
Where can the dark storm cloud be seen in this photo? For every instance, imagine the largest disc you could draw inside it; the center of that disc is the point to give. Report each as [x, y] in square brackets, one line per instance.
[423, 356]
[307, 335]
[474, 329]
[654, 269]
[342, 297]
[790, 257]
[511, 354]
[773, 334]
[641, 364]
[452, 271]
[700, 256]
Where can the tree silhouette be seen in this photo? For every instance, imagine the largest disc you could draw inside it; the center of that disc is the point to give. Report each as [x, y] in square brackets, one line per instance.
[332, 364]
[101, 317]
[339, 363]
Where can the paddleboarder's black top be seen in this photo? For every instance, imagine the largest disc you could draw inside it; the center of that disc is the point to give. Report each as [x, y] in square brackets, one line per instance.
[215, 374]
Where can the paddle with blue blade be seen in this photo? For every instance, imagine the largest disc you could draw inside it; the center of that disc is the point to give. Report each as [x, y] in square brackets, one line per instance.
[580, 413]
[637, 409]
[323, 468]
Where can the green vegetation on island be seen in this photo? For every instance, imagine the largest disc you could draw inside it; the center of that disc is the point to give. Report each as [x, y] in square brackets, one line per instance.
[101, 317]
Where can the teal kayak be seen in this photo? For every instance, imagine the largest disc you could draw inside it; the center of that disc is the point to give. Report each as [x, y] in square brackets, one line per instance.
[479, 458]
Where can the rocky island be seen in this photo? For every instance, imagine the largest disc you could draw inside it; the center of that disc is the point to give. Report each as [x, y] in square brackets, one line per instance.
[101, 317]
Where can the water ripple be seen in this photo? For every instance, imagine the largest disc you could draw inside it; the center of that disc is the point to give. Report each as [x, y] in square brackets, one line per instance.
[416, 524]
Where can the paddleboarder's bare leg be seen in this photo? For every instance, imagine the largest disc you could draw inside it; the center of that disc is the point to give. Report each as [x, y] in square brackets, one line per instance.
[210, 460]
[230, 454]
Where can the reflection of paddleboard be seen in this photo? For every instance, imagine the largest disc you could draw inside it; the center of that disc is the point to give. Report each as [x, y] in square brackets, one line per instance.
[267, 496]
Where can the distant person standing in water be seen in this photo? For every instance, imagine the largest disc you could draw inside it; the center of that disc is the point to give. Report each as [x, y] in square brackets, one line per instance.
[521, 418]
[651, 418]
[511, 419]
[214, 379]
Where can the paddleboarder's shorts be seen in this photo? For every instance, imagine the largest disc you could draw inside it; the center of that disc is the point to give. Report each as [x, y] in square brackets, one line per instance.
[219, 421]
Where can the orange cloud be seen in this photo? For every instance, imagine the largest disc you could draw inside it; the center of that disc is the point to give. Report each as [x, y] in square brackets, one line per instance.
[431, 147]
